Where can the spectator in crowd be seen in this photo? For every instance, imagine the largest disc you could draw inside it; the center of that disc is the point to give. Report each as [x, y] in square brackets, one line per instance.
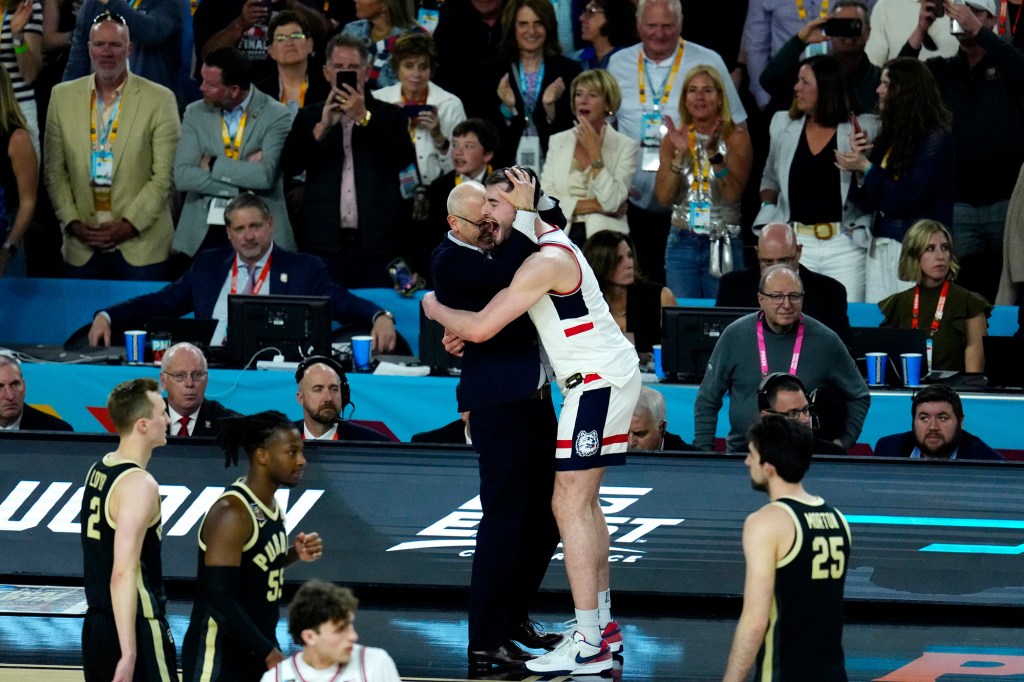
[589, 167]
[110, 191]
[1011, 291]
[906, 173]
[634, 301]
[894, 20]
[244, 24]
[379, 24]
[231, 142]
[609, 26]
[321, 620]
[432, 112]
[467, 30]
[704, 165]
[22, 56]
[155, 27]
[324, 393]
[782, 393]
[824, 298]
[648, 429]
[290, 44]
[456, 432]
[246, 267]
[525, 90]
[981, 86]
[955, 317]
[801, 183]
[19, 180]
[937, 430]
[650, 74]
[353, 149]
[785, 338]
[781, 72]
[15, 415]
[184, 375]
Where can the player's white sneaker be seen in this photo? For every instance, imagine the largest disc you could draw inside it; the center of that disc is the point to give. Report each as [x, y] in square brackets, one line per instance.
[573, 656]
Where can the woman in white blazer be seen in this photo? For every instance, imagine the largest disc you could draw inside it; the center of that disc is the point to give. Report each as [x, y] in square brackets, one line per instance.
[803, 186]
[590, 166]
[433, 111]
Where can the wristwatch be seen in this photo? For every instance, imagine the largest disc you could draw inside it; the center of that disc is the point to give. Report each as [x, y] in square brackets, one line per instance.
[385, 313]
[365, 121]
[716, 159]
[598, 163]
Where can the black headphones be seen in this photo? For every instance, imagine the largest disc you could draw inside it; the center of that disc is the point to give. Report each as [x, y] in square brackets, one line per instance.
[768, 383]
[346, 391]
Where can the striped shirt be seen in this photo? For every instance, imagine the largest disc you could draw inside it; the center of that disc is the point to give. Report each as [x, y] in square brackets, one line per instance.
[23, 92]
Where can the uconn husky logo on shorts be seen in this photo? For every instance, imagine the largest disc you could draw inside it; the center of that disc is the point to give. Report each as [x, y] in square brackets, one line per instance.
[587, 443]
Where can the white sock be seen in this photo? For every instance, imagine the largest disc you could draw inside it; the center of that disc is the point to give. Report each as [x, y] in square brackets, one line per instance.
[604, 608]
[586, 625]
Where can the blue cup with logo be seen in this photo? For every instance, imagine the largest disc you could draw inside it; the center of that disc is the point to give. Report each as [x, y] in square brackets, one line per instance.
[658, 371]
[135, 346]
[911, 368]
[876, 368]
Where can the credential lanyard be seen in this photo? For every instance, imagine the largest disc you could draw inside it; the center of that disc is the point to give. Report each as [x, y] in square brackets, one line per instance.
[530, 99]
[802, 11]
[938, 309]
[259, 280]
[666, 85]
[763, 354]
[233, 147]
[109, 131]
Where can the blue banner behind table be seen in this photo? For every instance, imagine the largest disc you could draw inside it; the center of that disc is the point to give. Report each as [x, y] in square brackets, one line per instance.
[946, 532]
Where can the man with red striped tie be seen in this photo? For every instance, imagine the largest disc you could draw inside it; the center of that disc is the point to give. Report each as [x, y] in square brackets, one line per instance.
[597, 370]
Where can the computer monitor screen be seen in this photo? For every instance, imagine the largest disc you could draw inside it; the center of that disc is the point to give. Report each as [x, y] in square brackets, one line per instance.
[689, 335]
[296, 326]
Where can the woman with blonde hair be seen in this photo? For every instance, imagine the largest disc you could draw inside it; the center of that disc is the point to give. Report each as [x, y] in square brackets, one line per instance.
[19, 177]
[590, 166]
[705, 165]
[955, 318]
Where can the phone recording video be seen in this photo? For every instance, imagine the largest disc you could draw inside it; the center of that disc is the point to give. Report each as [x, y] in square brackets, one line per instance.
[838, 27]
[345, 78]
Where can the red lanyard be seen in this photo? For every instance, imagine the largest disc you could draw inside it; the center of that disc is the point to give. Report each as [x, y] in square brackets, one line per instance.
[763, 354]
[938, 309]
[259, 280]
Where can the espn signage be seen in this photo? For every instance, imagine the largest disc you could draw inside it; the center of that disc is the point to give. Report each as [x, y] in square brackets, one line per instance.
[408, 515]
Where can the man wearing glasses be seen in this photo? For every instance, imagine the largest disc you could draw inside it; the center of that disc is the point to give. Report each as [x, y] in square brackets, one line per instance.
[779, 338]
[783, 394]
[184, 377]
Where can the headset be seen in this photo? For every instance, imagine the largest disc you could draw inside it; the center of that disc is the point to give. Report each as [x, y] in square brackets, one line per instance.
[768, 384]
[346, 391]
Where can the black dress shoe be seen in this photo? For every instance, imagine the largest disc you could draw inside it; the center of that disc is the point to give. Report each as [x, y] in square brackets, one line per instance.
[530, 634]
[508, 655]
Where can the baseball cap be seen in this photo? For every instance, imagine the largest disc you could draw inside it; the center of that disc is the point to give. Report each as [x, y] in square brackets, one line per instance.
[987, 5]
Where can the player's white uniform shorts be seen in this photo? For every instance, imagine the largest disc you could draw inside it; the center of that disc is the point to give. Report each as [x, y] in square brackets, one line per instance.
[593, 427]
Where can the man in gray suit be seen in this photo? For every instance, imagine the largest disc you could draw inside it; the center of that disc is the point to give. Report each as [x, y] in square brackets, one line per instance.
[230, 143]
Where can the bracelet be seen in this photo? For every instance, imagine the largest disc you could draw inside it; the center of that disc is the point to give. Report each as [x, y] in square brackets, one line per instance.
[722, 173]
[21, 49]
[506, 112]
[868, 169]
[677, 168]
[528, 210]
[767, 203]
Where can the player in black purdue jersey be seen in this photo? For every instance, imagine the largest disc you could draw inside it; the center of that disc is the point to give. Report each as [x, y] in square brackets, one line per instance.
[243, 550]
[125, 634]
[797, 549]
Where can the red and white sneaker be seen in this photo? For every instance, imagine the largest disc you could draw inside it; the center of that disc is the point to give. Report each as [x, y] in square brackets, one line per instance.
[573, 656]
[612, 636]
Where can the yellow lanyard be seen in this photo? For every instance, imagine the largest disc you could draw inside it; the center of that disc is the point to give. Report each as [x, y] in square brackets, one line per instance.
[231, 149]
[302, 92]
[640, 70]
[703, 170]
[135, 5]
[802, 11]
[192, 6]
[111, 134]
[458, 176]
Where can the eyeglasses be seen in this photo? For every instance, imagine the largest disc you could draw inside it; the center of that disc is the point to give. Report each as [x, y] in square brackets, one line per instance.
[285, 37]
[179, 377]
[777, 299]
[109, 16]
[592, 10]
[478, 225]
[794, 414]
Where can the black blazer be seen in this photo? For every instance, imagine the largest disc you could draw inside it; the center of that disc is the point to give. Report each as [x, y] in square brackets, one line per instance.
[452, 434]
[488, 104]
[348, 431]
[902, 444]
[37, 420]
[824, 297]
[207, 419]
[674, 443]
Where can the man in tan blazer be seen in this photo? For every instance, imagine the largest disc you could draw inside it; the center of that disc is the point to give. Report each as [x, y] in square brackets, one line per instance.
[109, 154]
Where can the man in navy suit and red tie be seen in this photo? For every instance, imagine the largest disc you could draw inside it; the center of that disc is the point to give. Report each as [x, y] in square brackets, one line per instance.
[253, 265]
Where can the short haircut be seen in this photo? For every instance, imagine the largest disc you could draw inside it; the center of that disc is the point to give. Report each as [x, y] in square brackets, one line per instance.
[235, 67]
[600, 81]
[457, 198]
[545, 11]
[316, 603]
[485, 131]
[937, 393]
[772, 384]
[129, 402]
[651, 404]
[915, 241]
[6, 359]
[345, 40]
[784, 443]
[778, 267]
[246, 200]
[250, 432]
[865, 12]
[184, 346]
[413, 45]
[674, 6]
[836, 98]
[287, 17]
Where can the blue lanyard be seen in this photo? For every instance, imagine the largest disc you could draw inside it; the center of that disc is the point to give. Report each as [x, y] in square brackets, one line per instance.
[530, 99]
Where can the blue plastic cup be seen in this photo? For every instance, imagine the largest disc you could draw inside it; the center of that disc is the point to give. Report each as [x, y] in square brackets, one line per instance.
[876, 368]
[658, 371]
[361, 351]
[911, 368]
[135, 346]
